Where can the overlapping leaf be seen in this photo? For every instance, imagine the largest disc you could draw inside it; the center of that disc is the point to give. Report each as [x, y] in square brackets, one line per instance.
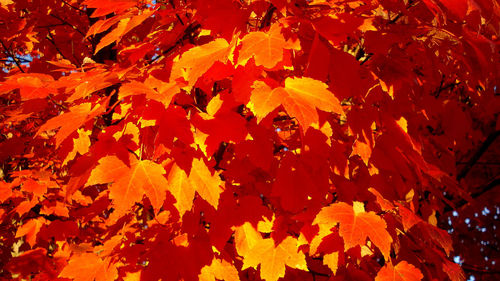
[403, 271]
[265, 47]
[356, 225]
[300, 97]
[129, 183]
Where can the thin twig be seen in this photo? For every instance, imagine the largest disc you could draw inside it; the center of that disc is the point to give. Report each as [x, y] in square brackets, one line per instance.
[482, 149]
[76, 8]
[68, 24]
[51, 40]
[14, 58]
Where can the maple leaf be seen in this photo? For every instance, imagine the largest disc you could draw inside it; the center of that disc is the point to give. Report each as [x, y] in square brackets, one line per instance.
[124, 26]
[246, 237]
[300, 97]
[153, 88]
[30, 229]
[131, 182]
[331, 260]
[386, 89]
[94, 267]
[220, 270]
[181, 189]
[305, 95]
[86, 83]
[70, 121]
[272, 258]
[440, 236]
[31, 86]
[265, 47]
[80, 145]
[5, 191]
[355, 225]
[206, 184]
[193, 63]
[264, 99]
[403, 271]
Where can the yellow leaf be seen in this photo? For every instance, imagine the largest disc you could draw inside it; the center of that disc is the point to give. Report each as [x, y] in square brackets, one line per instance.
[208, 186]
[245, 238]
[181, 189]
[6, 2]
[331, 260]
[272, 259]
[220, 270]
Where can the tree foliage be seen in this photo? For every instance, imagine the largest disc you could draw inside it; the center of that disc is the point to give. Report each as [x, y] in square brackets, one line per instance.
[248, 140]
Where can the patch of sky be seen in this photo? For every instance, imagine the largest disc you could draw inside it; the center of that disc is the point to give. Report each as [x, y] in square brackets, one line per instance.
[458, 260]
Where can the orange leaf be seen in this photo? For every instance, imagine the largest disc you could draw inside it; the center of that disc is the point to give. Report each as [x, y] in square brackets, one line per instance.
[71, 121]
[80, 145]
[5, 191]
[265, 47]
[300, 97]
[31, 86]
[131, 183]
[89, 267]
[153, 88]
[30, 229]
[124, 26]
[305, 95]
[264, 99]
[196, 61]
[403, 271]
[356, 225]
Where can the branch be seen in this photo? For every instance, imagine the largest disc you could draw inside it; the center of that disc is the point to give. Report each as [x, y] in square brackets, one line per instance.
[486, 144]
[486, 188]
[51, 40]
[76, 8]
[10, 54]
[472, 268]
[266, 20]
[188, 33]
[64, 22]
